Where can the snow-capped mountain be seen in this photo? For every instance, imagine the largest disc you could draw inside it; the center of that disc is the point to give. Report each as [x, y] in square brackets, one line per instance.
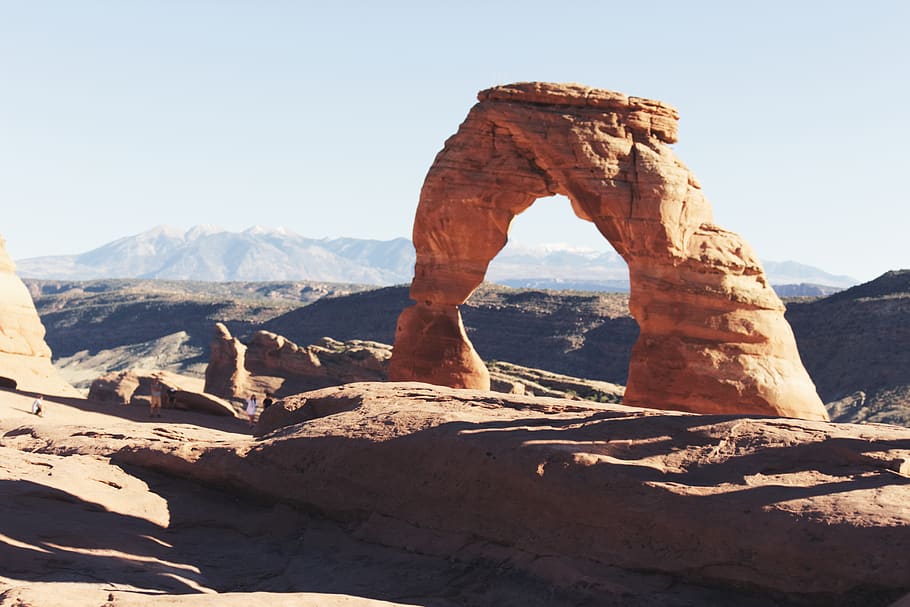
[210, 253]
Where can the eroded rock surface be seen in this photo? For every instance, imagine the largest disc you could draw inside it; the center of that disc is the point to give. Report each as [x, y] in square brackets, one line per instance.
[226, 373]
[133, 387]
[25, 357]
[274, 364]
[713, 335]
[626, 506]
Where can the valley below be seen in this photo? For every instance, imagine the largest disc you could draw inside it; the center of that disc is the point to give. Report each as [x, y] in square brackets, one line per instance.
[852, 342]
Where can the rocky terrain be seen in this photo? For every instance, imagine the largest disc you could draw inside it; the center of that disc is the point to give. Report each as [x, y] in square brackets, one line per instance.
[718, 480]
[375, 494]
[111, 325]
[849, 342]
[25, 358]
[854, 344]
[573, 333]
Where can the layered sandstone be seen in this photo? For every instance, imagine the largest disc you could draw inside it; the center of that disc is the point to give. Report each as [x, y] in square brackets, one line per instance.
[25, 358]
[713, 335]
[581, 503]
[274, 364]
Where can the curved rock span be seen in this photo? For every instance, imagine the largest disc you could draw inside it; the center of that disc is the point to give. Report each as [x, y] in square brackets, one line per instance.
[713, 334]
[25, 358]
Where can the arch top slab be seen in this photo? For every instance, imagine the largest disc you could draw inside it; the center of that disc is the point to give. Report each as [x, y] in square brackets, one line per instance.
[644, 115]
[713, 336]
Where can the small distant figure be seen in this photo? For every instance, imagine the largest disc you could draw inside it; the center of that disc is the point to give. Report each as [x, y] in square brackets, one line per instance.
[172, 398]
[251, 406]
[268, 402]
[155, 403]
[38, 406]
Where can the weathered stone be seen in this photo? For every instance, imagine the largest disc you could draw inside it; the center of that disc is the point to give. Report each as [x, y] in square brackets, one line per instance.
[25, 358]
[713, 335]
[133, 387]
[271, 363]
[808, 510]
[226, 373]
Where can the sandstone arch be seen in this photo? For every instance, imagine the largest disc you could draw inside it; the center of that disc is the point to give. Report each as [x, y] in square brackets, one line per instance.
[713, 335]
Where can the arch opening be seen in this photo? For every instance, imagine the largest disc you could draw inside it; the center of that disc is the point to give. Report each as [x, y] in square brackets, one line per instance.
[549, 247]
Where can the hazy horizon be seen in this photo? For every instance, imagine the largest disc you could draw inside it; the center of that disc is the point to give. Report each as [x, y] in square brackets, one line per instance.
[605, 255]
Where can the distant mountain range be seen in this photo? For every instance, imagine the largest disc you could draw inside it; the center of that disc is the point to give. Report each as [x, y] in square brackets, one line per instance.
[208, 253]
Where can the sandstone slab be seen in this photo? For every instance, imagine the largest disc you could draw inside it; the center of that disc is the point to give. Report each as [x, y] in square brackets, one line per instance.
[809, 509]
[598, 503]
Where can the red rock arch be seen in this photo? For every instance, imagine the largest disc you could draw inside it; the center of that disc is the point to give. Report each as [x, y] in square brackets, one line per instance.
[713, 336]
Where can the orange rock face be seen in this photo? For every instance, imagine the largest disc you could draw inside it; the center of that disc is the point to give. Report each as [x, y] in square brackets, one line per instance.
[25, 357]
[713, 334]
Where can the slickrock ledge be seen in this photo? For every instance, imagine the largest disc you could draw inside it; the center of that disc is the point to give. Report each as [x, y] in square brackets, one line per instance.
[713, 335]
[622, 505]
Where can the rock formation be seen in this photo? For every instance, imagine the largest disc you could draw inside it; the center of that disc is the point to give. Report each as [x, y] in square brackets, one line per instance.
[226, 373]
[516, 379]
[25, 358]
[579, 503]
[272, 363]
[713, 335]
[133, 387]
[601, 495]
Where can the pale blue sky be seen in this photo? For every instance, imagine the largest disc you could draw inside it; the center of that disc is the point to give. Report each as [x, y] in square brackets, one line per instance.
[116, 116]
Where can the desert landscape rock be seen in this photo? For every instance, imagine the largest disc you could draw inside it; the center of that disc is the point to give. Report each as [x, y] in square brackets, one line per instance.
[274, 364]
[713, 334]
[25, 358]
[854, 344]
[226, 373]
[422, 495]
[133, 387]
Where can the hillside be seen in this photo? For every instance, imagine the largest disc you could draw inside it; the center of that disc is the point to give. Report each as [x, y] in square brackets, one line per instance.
[581, 334]
[107, 325]
[854, 345]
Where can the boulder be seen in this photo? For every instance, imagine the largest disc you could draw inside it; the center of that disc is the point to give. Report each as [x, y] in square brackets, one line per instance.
[25, 358]
[133, 387]
[713, 335]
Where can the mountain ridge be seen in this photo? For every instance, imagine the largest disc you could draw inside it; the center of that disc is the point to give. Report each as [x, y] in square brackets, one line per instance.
[212, 254]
